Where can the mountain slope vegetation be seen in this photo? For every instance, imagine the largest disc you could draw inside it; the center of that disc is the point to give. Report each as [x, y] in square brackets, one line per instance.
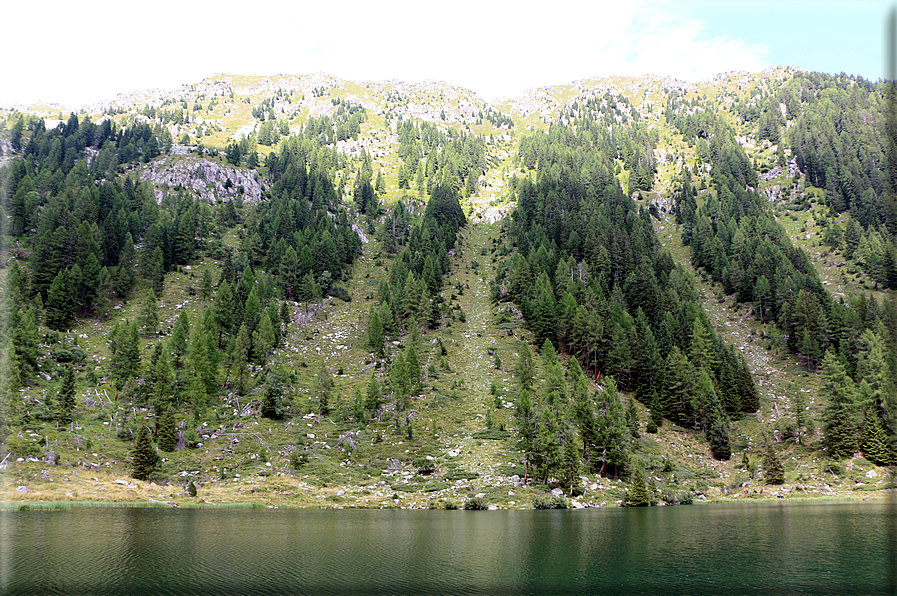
[427, 300]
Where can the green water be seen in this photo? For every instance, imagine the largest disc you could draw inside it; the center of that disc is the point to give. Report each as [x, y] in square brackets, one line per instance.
[769, 548]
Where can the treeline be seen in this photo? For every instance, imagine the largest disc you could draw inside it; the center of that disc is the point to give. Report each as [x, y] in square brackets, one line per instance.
[80, 229]
[841, 133]
[432, 156]
[735, 239]
[293, 235]
[589, 275]
[410, 299]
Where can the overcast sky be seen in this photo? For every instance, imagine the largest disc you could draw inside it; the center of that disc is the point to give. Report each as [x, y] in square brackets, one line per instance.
[75, 53]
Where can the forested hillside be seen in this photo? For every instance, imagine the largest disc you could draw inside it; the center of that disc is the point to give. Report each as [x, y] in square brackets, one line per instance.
[302, 290]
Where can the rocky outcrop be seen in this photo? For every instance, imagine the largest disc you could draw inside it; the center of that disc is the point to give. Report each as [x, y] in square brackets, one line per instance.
[210, 180]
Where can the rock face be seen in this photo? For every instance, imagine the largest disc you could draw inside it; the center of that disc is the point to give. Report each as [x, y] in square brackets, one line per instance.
[209, 179]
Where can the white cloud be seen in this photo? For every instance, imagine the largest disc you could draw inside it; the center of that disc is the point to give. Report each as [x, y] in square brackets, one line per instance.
[495, 48]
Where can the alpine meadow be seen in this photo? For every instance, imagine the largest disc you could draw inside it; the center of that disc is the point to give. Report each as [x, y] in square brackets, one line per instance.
[304, 291]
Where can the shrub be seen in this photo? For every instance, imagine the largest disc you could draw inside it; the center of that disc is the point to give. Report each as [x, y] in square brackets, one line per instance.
[550, 502]
[424, 466]
[476, 504]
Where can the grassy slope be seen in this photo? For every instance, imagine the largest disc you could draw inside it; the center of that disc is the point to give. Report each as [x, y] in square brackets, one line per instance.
[245, 459]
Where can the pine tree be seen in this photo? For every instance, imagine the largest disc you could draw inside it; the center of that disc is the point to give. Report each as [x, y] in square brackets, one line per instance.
[206, 286]
[59, 303]
[178, 341]
[143, 457]
[875, 441]
[638, 494]
[525, 369]
[272, 403]
[198, 365]
[263, 339]
[374, 395]
[124, 345]
[286, 316]
[772, 466]
[400, 382]
[720, 444]
[167, 432]
[66, 402]
[241, 360]
[149, 316]
[838, 416]
[375, 332]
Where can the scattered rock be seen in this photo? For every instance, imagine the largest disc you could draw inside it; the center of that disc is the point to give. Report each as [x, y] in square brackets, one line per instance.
[22, 489]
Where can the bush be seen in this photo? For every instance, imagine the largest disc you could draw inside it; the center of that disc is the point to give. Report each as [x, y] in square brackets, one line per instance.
[476, 504]
[341, 293]
[424, 466]
[72, 354]
[550, 502]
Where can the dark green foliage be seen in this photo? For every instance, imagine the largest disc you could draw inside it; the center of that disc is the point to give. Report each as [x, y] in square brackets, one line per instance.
[124, 346]
[550, 502]
[272, 403]
[241, 360]
[66, 399]
[638, 494]
[143, 456]
[374, 396]
[324, 389]
[720, 445]
[875, 442]
[167, 433]
[476, 504]
[839, 416]
[773, 471]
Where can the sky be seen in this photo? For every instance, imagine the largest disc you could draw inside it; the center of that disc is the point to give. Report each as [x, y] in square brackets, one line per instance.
[75, 53]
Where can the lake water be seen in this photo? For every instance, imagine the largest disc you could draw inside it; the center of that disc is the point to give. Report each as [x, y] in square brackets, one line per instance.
[739, 548]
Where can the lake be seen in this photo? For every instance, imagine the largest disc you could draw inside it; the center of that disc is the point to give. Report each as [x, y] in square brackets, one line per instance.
[737, 548]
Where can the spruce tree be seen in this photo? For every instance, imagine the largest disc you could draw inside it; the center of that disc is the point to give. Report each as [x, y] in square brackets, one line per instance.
[272, 403]
[66, 402]
[324, 389]
[263, 339]
[167, 432]
[638, 494]
[241, 360]
[143, 457]
[149, 316]
[374, 396]
[838, 416]
[720, 445]
[400, 382]
[375, 332]
[875, 441]
[772, 465]
[178, 342]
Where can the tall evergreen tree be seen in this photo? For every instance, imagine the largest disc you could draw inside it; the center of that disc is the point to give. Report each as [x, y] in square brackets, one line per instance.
[66, 401]
[875, 441]
[167, 432]
[324, 389]
[143, 457]
[149, 314]
[839, 413]
[240, 360]
[772, 465]
[638, 494]
[272, 403]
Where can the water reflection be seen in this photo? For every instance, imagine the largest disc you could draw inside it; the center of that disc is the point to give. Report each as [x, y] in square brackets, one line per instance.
[738, 548]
